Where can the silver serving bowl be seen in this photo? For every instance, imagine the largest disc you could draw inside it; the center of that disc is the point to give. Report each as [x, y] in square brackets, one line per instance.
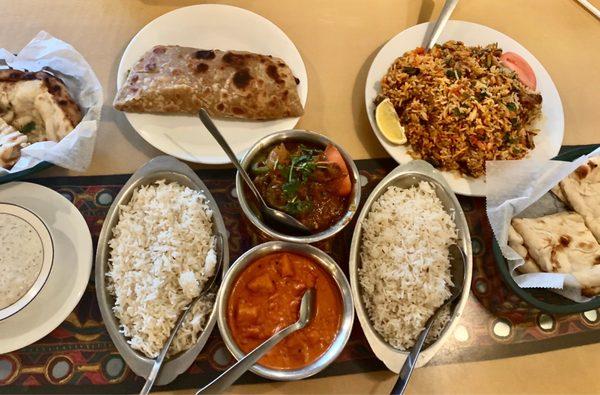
[405, 176]
[249, 207]
[171, 170]
[327, 263]
[47, 256]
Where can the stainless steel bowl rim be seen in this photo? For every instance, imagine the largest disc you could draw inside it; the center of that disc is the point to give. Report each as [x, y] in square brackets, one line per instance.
[47, 260]
[313, 137]
[170, 169]
[326, 262]
[417, 168]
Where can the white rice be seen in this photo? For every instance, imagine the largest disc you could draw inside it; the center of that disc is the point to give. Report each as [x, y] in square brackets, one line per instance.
[405, 273]
[162, 254]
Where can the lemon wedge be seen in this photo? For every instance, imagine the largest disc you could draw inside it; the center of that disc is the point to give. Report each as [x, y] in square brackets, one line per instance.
[388, 122]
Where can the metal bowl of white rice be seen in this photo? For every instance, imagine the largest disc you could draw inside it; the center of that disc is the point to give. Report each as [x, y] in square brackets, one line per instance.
[399, 262]
[148, 255]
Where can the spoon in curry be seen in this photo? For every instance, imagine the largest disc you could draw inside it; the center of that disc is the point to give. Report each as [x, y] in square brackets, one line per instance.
[229, 377]
[270, 213]
[458, 273]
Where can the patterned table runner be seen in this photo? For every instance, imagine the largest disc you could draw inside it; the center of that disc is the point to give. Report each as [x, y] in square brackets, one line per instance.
[79, 357]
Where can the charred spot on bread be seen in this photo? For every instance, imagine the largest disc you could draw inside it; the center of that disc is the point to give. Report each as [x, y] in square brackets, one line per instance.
[220, 106]
[159, 49]
[204, 54]
[273, 74]
[234, 59]
[242, 78]
[565, 240]
[582, 171]
[201, 68]
[297, 81]
[238, 111]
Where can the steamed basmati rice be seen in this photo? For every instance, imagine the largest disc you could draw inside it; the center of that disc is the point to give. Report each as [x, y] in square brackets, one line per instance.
[162, 254]
[405, 271]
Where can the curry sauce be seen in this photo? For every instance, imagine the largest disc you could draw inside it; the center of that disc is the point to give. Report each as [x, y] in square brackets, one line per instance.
[266, 298]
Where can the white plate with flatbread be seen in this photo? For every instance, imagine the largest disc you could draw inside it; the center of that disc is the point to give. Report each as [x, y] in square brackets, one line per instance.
[551, 125]
[70, 272]
[210, 26]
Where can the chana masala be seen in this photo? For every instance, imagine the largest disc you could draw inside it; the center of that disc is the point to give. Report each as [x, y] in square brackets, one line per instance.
[266, 297]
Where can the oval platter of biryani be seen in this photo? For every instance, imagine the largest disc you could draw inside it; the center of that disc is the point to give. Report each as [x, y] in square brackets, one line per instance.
[476, 96]
[400, 262]
[160, 246]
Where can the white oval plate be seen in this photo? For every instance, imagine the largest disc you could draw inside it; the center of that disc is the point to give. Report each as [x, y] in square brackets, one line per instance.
[210, 26]
[551, 124]
[70, 271]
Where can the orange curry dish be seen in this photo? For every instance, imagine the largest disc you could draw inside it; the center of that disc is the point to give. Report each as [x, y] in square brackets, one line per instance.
[265, 298]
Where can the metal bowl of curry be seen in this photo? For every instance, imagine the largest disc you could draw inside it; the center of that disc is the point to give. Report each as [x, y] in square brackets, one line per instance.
[305, 175]
[261, 294]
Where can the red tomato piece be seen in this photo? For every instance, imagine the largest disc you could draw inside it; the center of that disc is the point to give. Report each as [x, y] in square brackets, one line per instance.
[520, 66]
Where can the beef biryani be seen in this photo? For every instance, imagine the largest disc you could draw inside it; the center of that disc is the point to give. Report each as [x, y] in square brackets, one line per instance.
[461, 106]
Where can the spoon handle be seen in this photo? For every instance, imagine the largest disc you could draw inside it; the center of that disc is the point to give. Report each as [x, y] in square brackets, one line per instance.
[227, 378]
[449, 6]
[208, 123]
[163, 353]
[411, 361]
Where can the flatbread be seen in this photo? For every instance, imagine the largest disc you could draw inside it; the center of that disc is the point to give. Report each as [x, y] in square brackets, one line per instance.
[516, 242]
[582, 190]
[174, 79]
[11, 142]
[38, 102]
[559, 243]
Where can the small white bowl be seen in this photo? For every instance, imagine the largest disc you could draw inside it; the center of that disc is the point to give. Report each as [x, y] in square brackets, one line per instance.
[47, 256]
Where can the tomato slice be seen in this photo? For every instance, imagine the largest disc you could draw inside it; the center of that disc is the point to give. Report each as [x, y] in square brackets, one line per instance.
[343, 185]
[520, 66]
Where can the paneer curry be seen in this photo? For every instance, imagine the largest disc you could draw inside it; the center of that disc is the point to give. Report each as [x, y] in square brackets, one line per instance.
[265, 298]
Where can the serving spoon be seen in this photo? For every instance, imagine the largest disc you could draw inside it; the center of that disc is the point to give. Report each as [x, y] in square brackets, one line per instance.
[270, 213]
[449, 6]
[229, 377]
[458, 275]
[163, 352]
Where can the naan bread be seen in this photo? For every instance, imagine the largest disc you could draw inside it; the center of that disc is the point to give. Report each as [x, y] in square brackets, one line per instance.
[516, 242]
[37, 104]
[11, 142]
[582, 190]
[559, 243]
[174, 79]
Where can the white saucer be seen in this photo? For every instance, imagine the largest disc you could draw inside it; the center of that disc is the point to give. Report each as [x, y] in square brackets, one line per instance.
[70, 271]
[210, 26]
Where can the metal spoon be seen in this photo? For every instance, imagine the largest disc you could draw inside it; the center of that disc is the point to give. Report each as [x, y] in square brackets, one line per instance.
[229, 377]
[163, 353]
[274, 215]
[458, 274]
[449, 6]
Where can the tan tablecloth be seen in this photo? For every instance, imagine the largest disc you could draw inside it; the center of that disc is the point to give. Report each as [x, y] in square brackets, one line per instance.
[338, 40]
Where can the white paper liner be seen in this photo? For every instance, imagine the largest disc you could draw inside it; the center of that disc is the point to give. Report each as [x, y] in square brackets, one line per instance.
[75, 151]
[519, 188]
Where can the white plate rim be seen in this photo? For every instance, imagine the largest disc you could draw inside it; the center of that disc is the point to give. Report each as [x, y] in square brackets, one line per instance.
[65, 307]
[299, 71]
[466, 185]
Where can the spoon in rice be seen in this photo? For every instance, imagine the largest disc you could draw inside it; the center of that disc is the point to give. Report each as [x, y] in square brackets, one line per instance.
[207, 287]
[274, 215]
[458, 275]
[227, 378]
[449, 6]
